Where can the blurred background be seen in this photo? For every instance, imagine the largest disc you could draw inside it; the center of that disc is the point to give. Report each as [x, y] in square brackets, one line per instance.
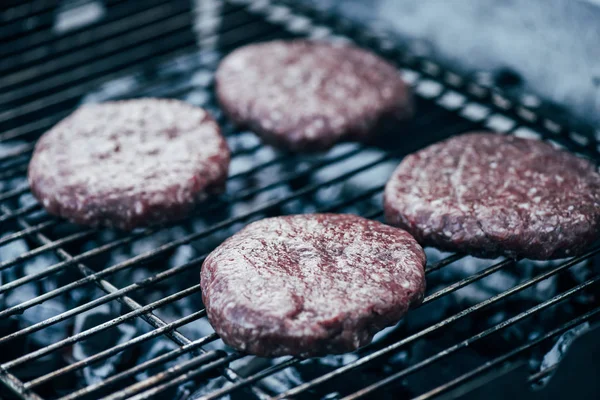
[547, 47]
[551, 44]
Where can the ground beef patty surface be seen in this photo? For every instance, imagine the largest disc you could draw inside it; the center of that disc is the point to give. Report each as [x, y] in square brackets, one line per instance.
[307, 95]
[311, 284]
[487, 194]
[129, 163]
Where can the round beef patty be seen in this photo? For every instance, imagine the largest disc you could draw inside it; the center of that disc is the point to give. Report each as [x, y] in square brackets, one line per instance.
[311, 284]
[306, 95]
[130, 163]
[491, 195]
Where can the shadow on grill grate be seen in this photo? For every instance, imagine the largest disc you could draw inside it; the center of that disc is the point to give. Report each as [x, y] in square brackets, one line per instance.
[92, 313]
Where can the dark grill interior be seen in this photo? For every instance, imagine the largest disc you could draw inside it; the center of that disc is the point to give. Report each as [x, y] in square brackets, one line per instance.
[89, 313]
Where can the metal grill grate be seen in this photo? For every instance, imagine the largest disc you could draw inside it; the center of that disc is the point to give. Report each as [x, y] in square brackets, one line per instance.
[148, 280]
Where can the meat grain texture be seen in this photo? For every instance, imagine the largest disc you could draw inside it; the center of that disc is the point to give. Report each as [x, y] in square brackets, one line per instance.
[128, 164]
[311, 284]
[306, 96]
[489, 195]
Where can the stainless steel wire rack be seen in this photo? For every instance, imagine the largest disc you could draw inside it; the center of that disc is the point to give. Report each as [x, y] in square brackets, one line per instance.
[80, 307]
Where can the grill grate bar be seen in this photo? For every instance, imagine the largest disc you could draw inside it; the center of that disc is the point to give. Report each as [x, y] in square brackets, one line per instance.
[230, 374]
[149, 317]
[35, 127]
[504, 324]
[15, 12]
[104, 299]
[496, 362]
[100, 328]
[10, 214]
[15, 20]
[133, 25]
[173, 354]
[538, 308]
[363, 196]
[539, 375]
[195, 368]
[69, 261]
[374, 215]
[442, 263]
[20, 234]
[123, 18]
[13, 193]
[79, 90]
[298, 174]
[127, 42]
[111, 351]
[141, 54]
[167, 375]
[14, 384]
[14, 167]
[20, 151]
[345, 174]
[252, 379]
[120, 347]
[12, 173]
[492, 300]
[117, 63]
[467, 281]
[36, 252]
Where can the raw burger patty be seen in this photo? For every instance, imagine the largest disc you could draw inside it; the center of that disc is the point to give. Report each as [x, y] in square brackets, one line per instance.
[490, 195]
[305, 95]
[128, 164]
[311, 284]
